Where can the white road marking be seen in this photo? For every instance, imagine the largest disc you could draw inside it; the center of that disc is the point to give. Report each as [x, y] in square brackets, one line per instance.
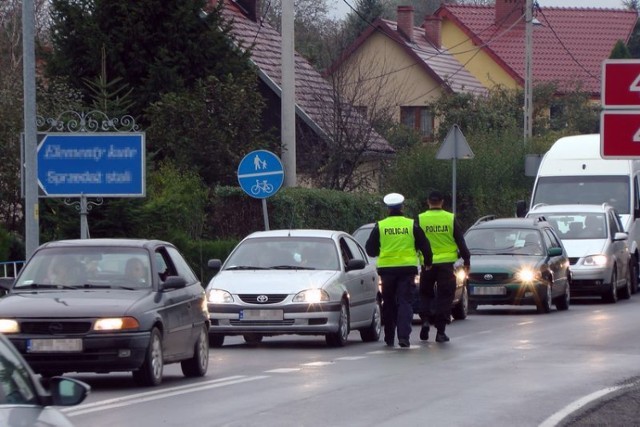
[351, 358]
[317, 364]
[134, 399]
[283, 370]
[554, 419]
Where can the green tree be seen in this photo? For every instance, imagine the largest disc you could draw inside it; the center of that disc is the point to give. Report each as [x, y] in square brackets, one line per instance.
[154, 46]
[208, 129]
[620, 51]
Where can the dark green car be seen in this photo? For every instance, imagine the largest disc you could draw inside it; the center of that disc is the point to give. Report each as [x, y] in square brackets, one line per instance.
[517, 261]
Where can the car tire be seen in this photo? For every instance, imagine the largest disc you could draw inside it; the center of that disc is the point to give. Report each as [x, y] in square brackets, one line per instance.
[633, 268]
[216, 340]
[252, 339]
[563, 301]
[197, 366]
[150, 373]
[611, 296]
[625, 292]
[461, 309]
[372, 332]
[339, 338]
[543, 304]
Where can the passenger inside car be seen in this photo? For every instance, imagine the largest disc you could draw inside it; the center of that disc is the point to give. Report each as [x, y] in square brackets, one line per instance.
[532, 245]
[594, 227]
[136, 272]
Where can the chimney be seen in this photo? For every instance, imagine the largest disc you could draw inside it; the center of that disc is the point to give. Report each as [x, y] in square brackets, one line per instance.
[251, 7]
[433, 30]
[405, 21]
[509, 11]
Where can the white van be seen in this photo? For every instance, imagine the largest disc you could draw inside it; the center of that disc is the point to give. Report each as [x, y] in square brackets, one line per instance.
[572, 172]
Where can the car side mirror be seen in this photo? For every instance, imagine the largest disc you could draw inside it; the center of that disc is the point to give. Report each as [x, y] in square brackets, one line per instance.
[521, 208]
[67, 391]
[620, 236]
[173, 282]
[355, 264]
[6, 283]
[214, 264]
[554, 251]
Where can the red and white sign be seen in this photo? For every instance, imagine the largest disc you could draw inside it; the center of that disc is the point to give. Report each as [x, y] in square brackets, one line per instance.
[621, 83]
[620, 134]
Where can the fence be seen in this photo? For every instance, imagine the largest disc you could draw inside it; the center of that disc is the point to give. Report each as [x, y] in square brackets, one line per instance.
[10, 268]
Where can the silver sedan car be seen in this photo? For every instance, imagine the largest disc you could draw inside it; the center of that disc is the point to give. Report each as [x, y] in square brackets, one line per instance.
[305, 282]
[597, 246]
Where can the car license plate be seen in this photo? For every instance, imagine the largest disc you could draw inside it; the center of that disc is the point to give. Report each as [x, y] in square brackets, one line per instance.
[488, 290]
[261, 314]
[54, 345]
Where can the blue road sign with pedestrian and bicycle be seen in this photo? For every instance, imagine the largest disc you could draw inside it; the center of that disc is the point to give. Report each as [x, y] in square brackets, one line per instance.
[260, 174]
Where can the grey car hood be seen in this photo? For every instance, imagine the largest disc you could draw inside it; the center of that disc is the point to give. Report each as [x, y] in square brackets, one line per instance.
[271, 281]
[31, 415]
[578, 248]
[86, 303]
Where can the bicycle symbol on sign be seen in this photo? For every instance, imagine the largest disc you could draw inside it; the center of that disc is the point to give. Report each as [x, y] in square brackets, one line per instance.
[263, 187]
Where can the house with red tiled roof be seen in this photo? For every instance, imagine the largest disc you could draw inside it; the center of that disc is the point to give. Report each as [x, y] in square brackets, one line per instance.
[569, 43]
[329, 132]
[403, 68]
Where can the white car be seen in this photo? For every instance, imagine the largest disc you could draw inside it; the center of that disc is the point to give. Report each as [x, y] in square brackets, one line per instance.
[24, 401]
[306, 282]
[597, 246]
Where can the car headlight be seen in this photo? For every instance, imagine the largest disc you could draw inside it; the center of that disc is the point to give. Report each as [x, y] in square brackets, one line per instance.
[219, 296]
[9, 326]
[311, 296]
[116, 324]
[461, 275]
[527, 275]
[596, 260]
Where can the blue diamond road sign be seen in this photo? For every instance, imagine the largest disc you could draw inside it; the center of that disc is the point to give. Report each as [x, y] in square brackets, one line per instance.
[91, 164]
[260, 174]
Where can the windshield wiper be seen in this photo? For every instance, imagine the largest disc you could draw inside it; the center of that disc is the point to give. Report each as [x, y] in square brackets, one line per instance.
[291, 267]
[246, 267]
[43, 286]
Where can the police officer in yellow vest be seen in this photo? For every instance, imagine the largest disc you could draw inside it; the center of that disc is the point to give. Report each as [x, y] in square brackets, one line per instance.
[438, 284]
[395, 240]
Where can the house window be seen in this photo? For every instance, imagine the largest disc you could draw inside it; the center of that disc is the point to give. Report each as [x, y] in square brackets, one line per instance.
[418, 118]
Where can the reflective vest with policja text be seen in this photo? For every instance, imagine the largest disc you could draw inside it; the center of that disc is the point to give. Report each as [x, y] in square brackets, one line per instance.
[437, 225]
[397, 243]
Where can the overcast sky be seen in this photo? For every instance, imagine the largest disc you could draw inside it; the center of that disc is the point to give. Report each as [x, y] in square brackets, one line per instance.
[341, 8]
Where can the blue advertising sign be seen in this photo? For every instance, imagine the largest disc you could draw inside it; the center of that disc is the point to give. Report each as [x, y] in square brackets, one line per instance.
[260, 174]
[91, 164]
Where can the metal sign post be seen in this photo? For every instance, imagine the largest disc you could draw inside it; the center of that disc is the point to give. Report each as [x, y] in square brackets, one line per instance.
[455, 146]
[261, 175]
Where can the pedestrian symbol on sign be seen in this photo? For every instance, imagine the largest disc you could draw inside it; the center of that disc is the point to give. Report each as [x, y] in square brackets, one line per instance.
[260, 174]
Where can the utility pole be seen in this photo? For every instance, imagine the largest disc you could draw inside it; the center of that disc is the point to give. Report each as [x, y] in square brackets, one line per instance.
[30, 143]
[528, 74]
[288, 98]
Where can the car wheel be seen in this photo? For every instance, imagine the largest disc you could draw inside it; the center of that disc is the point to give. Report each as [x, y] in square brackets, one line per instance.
[198, 364]
[544, 300]
[563, 301]
[252, 339]
[339, 338]
[216, 340]
[372, 332]
[473, 307]
[461, 309]
[150, 373]
[611, 296]
[625, 292]
[633, 268]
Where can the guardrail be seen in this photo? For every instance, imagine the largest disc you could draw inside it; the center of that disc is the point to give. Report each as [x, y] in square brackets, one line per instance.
[10, 268]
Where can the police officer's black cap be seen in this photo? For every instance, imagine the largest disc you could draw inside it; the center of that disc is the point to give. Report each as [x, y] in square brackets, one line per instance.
[436, 196]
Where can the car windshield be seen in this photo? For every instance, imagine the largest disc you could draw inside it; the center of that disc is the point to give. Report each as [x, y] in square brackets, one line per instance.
[362, 235]
[578, 225]
[504, 241]
[284, 253]
[558, 190]
[86, 267]
[16, 386]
